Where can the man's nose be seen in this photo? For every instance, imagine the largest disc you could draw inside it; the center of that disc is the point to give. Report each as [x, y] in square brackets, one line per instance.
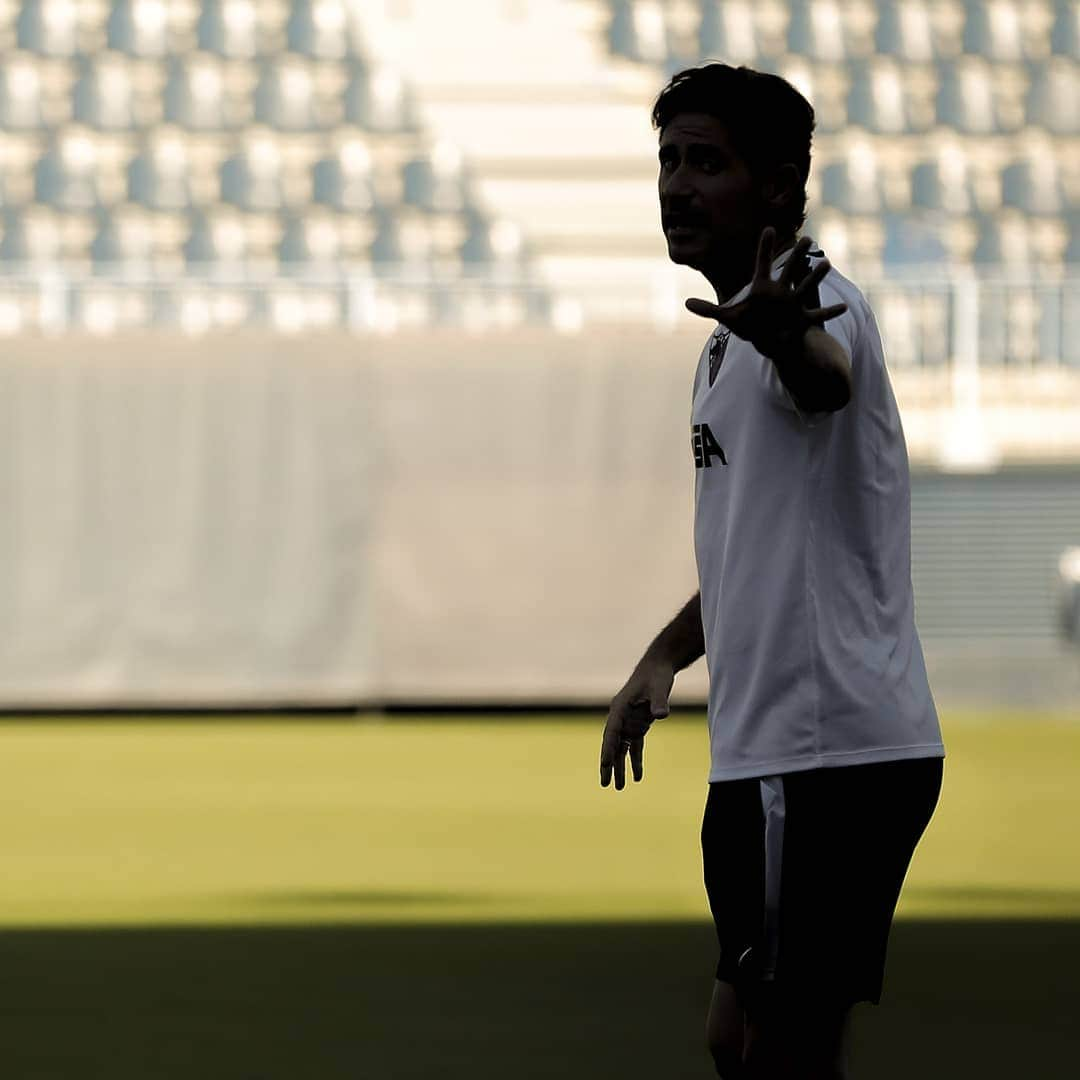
[676, 184]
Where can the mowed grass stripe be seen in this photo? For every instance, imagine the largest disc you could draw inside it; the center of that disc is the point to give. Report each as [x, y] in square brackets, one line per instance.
[485, 820]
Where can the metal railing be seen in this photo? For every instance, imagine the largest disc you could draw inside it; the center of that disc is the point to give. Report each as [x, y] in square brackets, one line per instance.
[929, 317]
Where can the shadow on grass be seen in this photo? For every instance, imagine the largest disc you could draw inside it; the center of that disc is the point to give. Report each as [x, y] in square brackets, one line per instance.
[992, 999]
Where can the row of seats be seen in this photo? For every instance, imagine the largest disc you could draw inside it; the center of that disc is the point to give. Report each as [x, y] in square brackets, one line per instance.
[240, 29]
[202, 92]
[867, 242]
[257, 172]
[860, 183]
[36, 235]
[1020, 323]
[129, 234]
[196, 306]
[168, 170]
[745, 31]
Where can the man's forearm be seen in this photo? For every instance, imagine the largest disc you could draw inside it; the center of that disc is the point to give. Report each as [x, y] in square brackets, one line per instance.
[816, 372]
[682, 641]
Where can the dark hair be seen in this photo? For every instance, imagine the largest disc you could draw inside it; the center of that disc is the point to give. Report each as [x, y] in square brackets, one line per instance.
[768, 121]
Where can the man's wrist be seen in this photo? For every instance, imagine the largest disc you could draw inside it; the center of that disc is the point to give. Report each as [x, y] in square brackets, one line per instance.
[811, 379]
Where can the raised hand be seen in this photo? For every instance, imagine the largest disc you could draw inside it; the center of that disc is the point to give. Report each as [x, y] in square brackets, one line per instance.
[773, 315]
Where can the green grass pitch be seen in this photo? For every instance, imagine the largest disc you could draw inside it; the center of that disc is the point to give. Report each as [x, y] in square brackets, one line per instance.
[403, 898]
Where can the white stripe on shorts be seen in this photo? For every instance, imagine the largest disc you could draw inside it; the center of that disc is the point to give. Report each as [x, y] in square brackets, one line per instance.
[772, 803]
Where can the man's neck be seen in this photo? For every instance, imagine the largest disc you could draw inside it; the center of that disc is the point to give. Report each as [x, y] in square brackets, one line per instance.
[739, 274]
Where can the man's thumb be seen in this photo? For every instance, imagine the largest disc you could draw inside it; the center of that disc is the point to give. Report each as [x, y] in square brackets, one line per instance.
[658, 706]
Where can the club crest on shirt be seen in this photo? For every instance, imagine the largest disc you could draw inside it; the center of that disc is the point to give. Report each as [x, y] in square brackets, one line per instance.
[705, 447]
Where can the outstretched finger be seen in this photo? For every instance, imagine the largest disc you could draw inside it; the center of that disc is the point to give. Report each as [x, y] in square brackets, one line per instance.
[823, 314]
[705, 309]
[765, 254]
[794, 260]
[814, 278]
[637, 756]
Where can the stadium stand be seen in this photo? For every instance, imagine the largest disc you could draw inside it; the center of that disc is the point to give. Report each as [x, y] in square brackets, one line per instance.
[348, 136]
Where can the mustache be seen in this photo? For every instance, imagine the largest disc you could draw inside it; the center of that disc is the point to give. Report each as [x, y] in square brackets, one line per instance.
[674, 218]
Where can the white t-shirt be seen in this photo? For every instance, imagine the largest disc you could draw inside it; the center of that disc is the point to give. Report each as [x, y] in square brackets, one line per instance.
[802, 535]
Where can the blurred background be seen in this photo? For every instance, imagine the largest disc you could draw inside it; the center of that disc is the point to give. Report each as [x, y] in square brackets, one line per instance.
[344, 364]
[343, 375]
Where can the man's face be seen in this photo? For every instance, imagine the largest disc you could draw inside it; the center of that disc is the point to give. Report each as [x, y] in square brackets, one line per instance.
[710, 205]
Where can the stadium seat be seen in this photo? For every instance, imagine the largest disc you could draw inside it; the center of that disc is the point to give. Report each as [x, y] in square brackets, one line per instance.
[853, 243]
[1072, 250]
[1054, 97]
[966, 98]
[905, 30]
[67, 174]
[310, 239]
[285, 95]
[124, 238]
[1003, 239]
[21, 93]
[993, 29]
[860, 23]
[1037, 22]
[195, 94]
[48, 27]
[828, 228]
[816, 30]
[638, 30]
[1065, 34]
[345, 179]
[944, 182]
[728, 32]
[401, 239]
[33, 236]
[877, 100]
[913, 239]
[436, 180]
[386, 246]
[139, 27]
[216, 238]
[252, 177]
[495, 243]
[104, 95]
[229, 28]
[319, 29]
[1049, 240]
[377, 99]
[158, 176]
[1034, 184]
[825, 85]
[853, 183]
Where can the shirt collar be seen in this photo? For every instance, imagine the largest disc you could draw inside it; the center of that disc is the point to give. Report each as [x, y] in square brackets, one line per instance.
[777, 266]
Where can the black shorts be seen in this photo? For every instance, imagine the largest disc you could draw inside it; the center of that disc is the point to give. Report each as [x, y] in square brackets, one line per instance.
[803, 872]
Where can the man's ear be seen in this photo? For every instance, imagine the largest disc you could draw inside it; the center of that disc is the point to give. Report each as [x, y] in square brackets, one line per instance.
[784, 184]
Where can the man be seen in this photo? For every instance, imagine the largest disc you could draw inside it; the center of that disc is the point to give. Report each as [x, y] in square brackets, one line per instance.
[825, 744]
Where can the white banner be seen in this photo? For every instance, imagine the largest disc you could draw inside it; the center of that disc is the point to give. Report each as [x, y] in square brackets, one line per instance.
[261, 520]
